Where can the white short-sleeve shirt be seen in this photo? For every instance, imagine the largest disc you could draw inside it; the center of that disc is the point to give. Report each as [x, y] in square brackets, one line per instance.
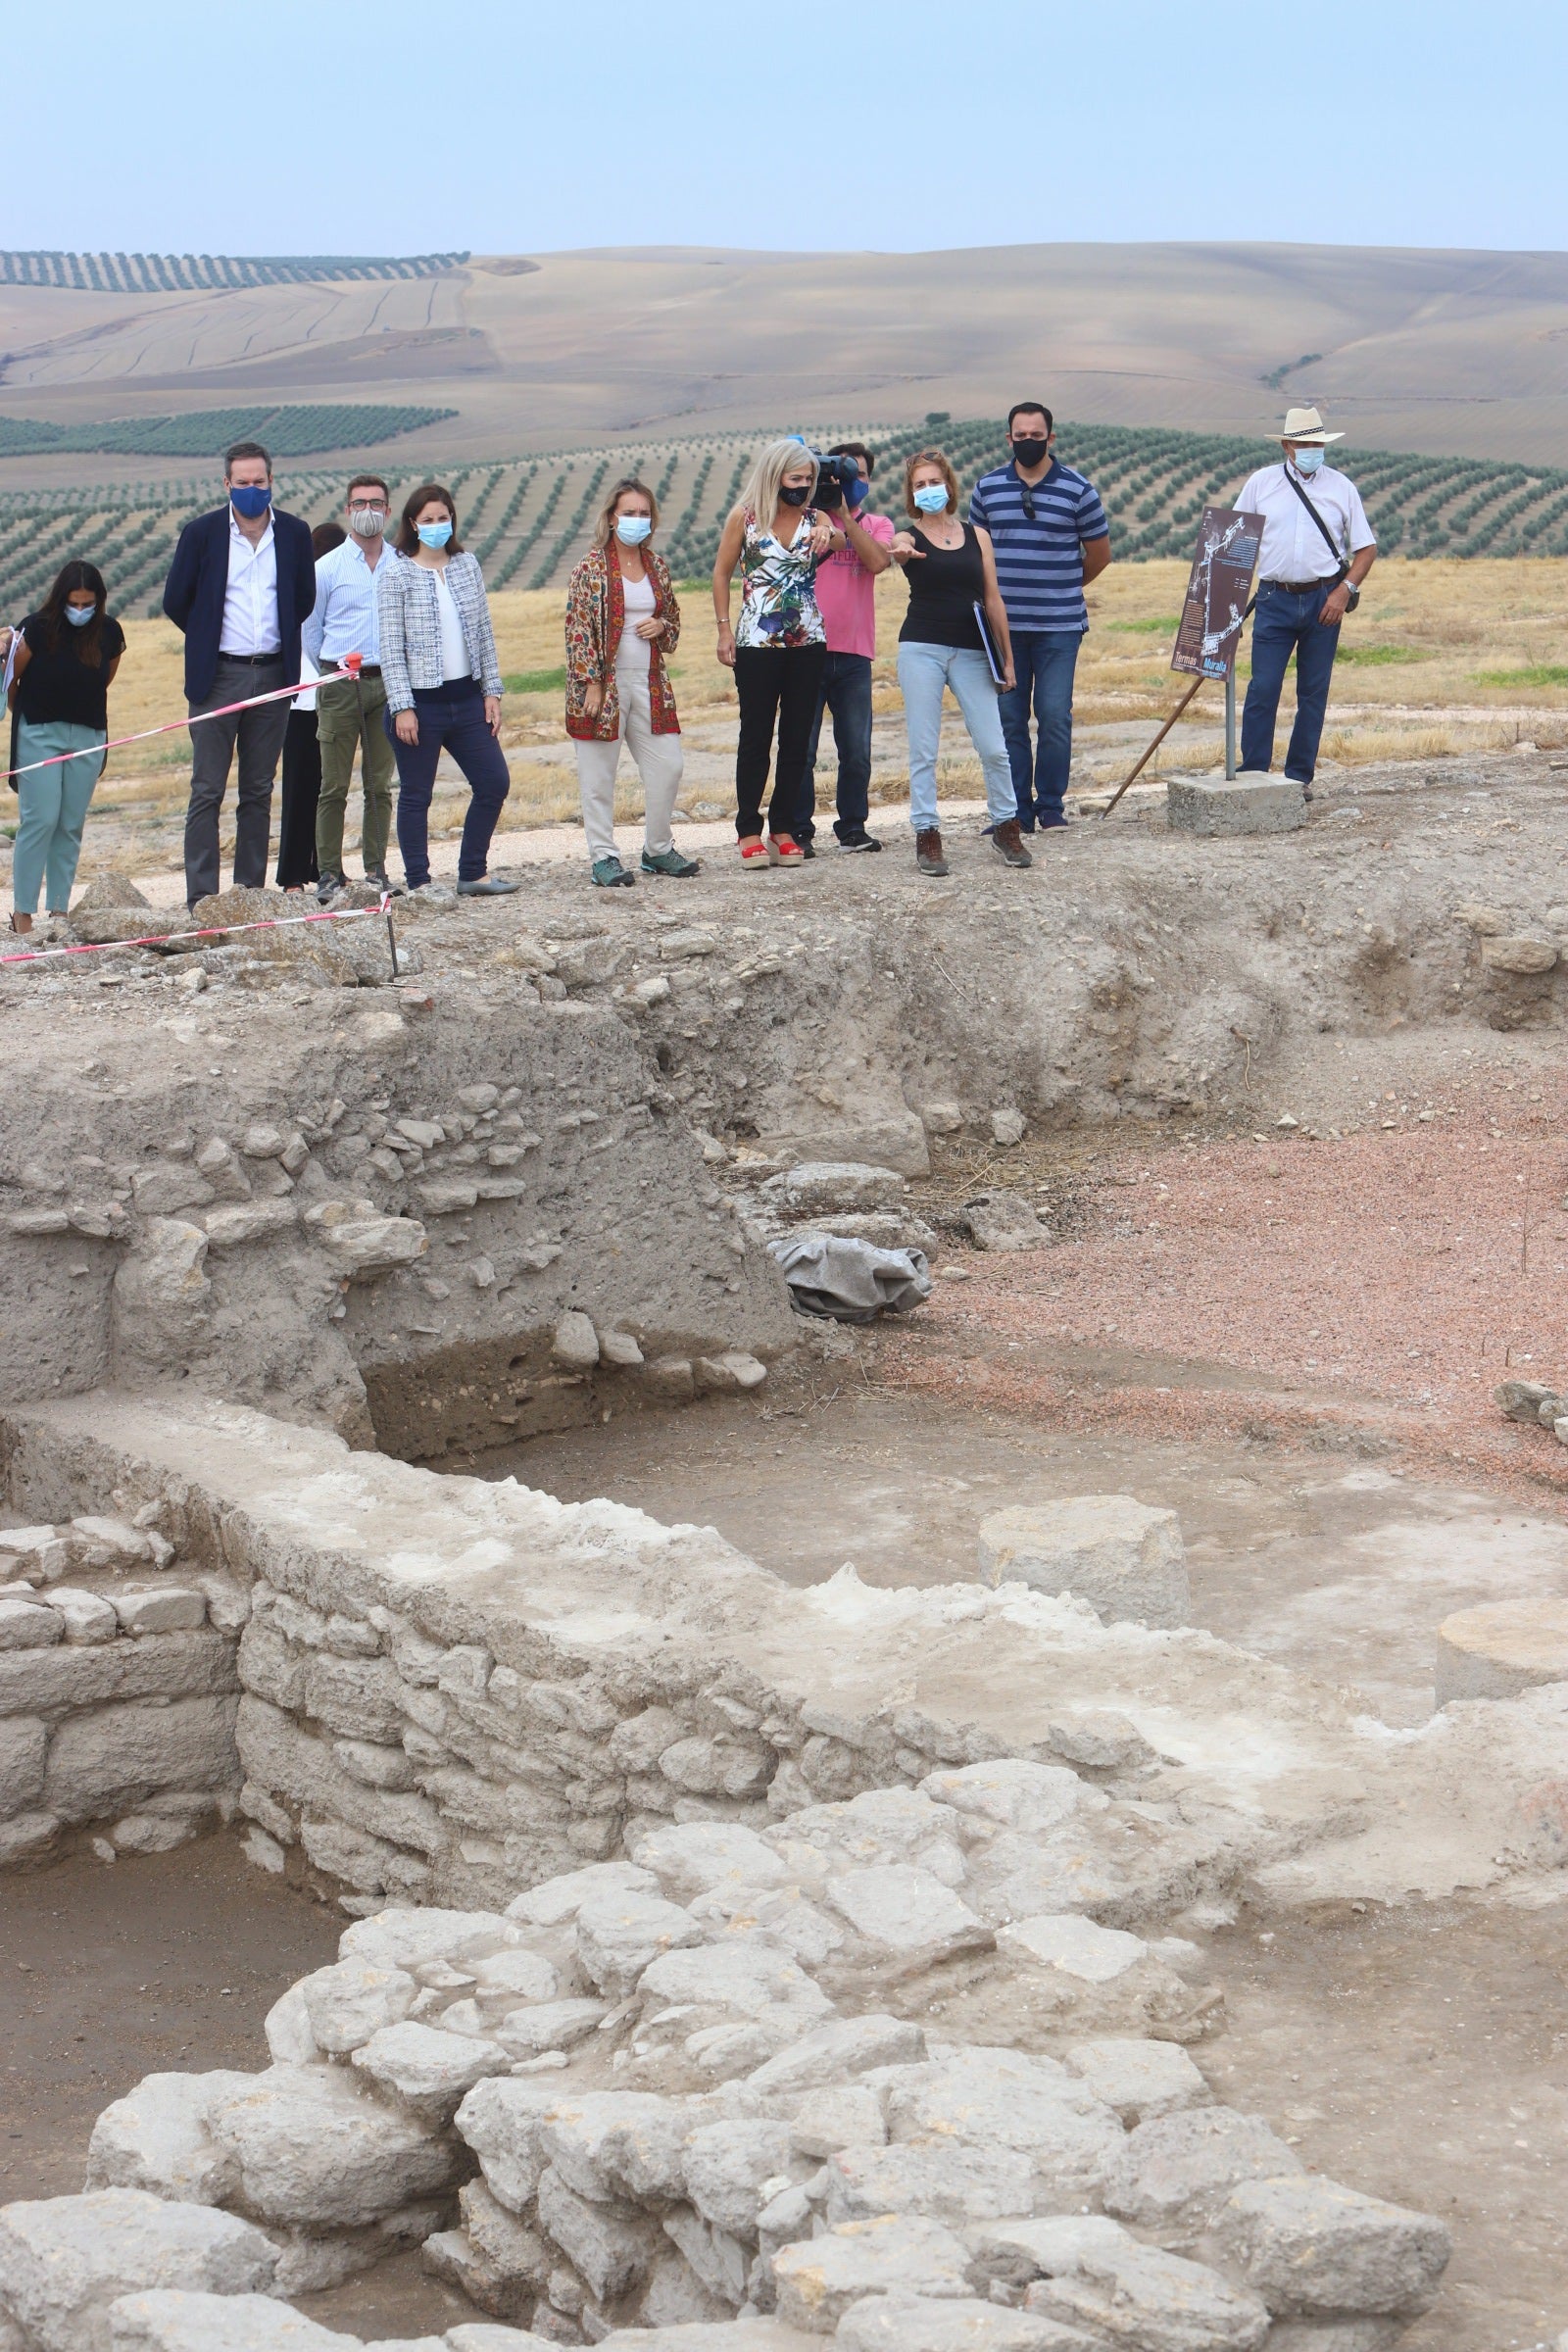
[1293, 547]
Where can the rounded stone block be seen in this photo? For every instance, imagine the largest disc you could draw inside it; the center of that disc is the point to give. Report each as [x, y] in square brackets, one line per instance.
[1122, 1556]
[1212, 805]
[1500, 1649]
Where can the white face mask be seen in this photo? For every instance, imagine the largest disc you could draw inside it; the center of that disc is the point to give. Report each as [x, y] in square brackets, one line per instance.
[1307, 461]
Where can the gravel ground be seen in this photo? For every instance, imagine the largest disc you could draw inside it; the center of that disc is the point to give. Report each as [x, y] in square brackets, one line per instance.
[1373, 1287]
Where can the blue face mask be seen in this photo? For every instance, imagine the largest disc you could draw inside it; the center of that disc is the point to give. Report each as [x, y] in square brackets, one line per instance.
[433, 534]
[632, 529]
[78, 615]
[1307, 461]
[931, 497]
[251, 499]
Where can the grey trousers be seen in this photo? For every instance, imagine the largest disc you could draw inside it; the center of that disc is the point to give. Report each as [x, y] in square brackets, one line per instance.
[260, 737]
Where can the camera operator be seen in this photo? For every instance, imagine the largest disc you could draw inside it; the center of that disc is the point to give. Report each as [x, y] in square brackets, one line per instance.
[846, 600]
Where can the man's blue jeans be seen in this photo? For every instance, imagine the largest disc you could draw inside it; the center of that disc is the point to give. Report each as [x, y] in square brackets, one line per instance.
[1044, 661]
[1284, 624]
[847, 693]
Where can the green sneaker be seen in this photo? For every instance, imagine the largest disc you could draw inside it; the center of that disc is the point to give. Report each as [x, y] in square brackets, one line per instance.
[669, 862]
[608, 872]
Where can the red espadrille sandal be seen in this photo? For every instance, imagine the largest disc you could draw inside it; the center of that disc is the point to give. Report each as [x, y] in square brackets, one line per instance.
[785, 849]
[755, 857]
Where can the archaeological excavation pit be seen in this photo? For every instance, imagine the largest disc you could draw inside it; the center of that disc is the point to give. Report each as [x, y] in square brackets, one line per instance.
[549, 1797]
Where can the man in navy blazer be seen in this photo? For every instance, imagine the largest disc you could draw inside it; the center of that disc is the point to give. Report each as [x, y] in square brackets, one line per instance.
[241, 584]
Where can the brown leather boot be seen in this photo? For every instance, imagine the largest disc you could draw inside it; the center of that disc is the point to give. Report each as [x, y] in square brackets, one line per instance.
[1007, 842]
[928, 851]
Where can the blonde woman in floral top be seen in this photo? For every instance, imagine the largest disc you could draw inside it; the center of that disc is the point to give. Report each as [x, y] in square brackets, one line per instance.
[621, 622]
[777, 538]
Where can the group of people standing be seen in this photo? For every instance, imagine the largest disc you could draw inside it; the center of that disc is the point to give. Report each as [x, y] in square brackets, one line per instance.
[996, 613]
[396, 647]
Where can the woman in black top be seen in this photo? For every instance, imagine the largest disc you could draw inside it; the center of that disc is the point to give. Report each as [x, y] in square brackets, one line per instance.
[66, 663]
[950, 569]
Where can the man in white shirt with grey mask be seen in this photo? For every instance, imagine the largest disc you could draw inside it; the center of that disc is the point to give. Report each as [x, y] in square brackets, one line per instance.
[1317, 549]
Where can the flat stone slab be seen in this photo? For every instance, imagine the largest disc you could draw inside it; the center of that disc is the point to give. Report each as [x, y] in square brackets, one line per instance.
[1239, 804]
[1122, 1556]
[1500, 1649]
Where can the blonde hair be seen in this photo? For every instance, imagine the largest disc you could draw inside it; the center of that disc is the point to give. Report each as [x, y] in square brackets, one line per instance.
[605, 527]
[760, 495]
[944, 465]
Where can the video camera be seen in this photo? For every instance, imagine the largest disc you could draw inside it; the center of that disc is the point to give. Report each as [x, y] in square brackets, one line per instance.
[838, 478]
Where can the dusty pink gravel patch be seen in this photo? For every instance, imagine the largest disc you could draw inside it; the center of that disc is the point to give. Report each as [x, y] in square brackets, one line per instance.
[1383, 1281]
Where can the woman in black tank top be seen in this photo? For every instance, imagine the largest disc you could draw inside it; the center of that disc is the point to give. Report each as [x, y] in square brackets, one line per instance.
[952, 580]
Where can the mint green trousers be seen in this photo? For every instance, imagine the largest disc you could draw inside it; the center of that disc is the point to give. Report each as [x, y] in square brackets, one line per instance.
[53, 808]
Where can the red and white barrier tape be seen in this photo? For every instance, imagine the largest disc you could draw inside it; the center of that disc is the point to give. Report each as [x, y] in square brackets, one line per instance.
[348, 667]
[159, 939]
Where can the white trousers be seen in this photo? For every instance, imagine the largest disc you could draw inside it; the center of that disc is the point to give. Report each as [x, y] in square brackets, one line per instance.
[659, 760]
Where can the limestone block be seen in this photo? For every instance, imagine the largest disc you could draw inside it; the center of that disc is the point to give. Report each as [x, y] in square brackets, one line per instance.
[619, 1934]
[694, 1857]
[1005, 1220]
[961, 2184]
[1524, 951]
[287, 2027]
[1139, 2294]
[356, 1856]
[160, 1666]
[998, 2099]
[575, 1346]
[746, 1975]
[101, 1760]
[431, 2072]
[908, 2324]
[89, 1617]
[612, 2247]
[40, 1554]
[832, 2054]
[1100, 1739]
[407, 1939]
[359, 1243]
[1177, 2171]
[161, 1609]
[1137, 2079]
[1520, 1400]
[881, 1825]
[637, 1743]
[502, 1980]
[670, 1377]
[839, 2116]
[26, 1837]
[231, 1226]
[731, 1373]
[315, 2149]
[160, 1288]
[352, 1999]
[167, 2320]
[1213, 806]
[1017, 1795]
[357, 1697]
[101, 1542]
[735, 2335]
[608, 2143]
[618, 1348]
[815, 1188]
[1009, 1126]
[903, 1909]
[1501, 1649]
[155, 2138]
[23, 1741]
[1077, 1946]
[376, 1765]
[818, 2282]
[501, 2119]
[1312, 2248]
[265, 1851]
[482, 2335]
[267, 1666]
[1019, 2252]
[1124, 1558]
[30, 1625]
[159, 1191]
[552, 2025]
[153, 1832]
[65, 2260]
[733, 2168]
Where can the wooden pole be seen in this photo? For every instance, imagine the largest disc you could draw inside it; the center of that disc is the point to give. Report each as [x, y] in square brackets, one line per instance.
[1154, 746]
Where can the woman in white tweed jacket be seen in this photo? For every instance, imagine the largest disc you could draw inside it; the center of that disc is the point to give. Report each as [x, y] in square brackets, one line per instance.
[442, 687]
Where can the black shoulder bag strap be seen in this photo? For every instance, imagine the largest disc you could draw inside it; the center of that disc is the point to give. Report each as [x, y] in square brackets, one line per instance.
[1352, 595]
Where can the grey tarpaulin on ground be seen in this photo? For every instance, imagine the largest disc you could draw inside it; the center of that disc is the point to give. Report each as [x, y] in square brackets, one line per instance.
[853, 1281]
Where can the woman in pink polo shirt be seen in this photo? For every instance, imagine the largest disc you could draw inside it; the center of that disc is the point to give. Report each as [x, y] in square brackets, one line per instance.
[846, 597]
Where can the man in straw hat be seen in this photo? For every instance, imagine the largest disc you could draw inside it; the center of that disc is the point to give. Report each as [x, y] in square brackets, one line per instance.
[1318, 547]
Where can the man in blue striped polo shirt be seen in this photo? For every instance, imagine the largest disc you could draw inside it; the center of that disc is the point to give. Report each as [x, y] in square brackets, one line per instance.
[1051, 538]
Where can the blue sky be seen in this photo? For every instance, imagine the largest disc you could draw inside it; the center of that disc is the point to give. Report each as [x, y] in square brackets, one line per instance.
[409, 125]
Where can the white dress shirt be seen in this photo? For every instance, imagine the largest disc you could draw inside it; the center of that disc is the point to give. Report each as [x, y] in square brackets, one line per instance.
[250, 602]
[1293, 547]
[345, 619]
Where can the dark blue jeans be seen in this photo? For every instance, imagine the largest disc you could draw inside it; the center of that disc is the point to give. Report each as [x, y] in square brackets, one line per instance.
[1044, 661]
[1282, 625]
[450, 720]
[847, 693]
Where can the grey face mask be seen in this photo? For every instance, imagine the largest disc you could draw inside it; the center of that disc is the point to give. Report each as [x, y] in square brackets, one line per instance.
[368, 523]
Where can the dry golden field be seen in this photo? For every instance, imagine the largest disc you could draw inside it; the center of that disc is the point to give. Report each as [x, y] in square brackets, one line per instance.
[1443, 659]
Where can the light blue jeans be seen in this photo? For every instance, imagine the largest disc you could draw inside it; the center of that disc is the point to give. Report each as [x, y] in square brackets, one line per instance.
[53, 808]
[924, 672]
